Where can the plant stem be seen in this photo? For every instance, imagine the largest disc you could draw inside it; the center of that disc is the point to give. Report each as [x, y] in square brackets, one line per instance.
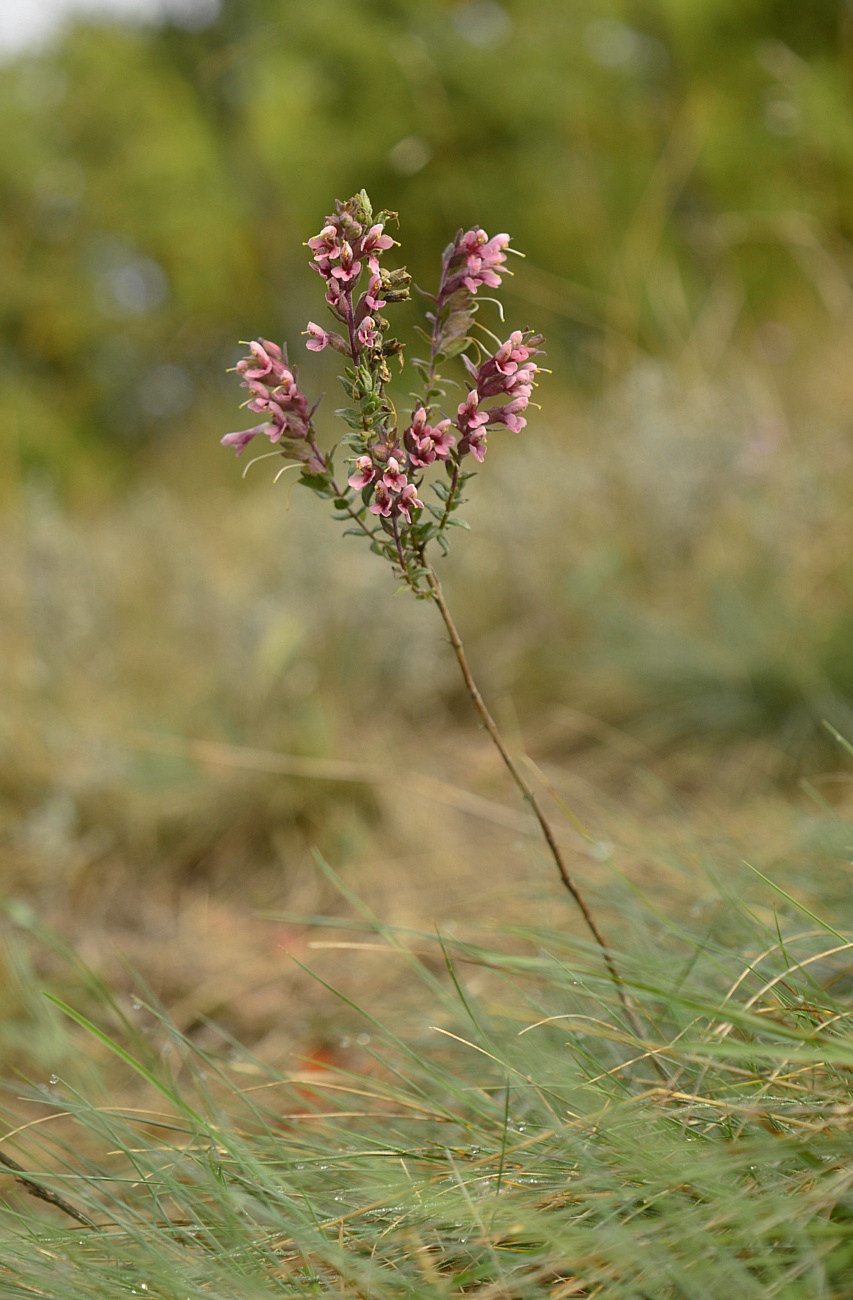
[401, 559]
[526, 791]
[451, 493]
[44, 1193]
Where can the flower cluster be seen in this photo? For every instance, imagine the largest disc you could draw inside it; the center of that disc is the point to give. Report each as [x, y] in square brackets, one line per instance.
[390, 460]
[474, 260]
[385, 468]
[350, 242]
[388, 467]
[276, 395]
[510, 372]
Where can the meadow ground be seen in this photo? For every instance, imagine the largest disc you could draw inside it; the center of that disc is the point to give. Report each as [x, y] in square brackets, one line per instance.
[211, 696]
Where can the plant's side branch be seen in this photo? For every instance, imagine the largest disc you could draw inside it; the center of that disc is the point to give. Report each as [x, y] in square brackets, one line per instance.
[527, 793]
[43, 1193]
[353, 514]
[449, 500]
[401, 559]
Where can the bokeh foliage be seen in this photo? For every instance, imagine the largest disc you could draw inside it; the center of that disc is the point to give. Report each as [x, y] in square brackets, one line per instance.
[157, 183]
[676, 557]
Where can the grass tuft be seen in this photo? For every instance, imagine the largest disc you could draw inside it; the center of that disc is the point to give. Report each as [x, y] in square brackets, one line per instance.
[524, 1147]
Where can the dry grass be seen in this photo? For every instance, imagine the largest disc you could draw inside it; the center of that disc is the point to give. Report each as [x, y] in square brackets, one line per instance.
[633, 607]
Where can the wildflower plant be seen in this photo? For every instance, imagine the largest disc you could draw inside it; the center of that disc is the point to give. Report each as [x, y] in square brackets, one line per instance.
[406, 477]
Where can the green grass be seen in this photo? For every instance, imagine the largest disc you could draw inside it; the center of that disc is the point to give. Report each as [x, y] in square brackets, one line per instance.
[528, 1144]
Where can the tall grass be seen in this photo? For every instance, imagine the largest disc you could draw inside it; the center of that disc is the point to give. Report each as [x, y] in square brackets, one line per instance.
[524, 1145]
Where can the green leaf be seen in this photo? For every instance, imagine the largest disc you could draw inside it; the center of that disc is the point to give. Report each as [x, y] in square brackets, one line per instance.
[317, 482]
[455, 347]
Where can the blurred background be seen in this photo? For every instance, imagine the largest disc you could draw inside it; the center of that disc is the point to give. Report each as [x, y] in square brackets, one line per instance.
[657, 592]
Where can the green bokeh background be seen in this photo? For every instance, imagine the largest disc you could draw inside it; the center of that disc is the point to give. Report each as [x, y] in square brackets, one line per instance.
[664, 550]
[158, 182]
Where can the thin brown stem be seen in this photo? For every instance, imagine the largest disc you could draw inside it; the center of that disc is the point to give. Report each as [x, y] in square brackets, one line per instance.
[43, 1193]
[451, 494]
[401, 559]
[527, 793]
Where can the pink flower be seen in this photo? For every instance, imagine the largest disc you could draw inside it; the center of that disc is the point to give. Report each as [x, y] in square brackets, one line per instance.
[512, 353]
[469, 417]
[407, 500]
[485, 276]
[241, 439]
[475, 443]
[425, 443]
[364, 473]
[318, 340]
[382, 504]
[263, 364]
[394, 479]
[423, 454]
[509, 415]
[324, 247]
[334, 293]
[442, 441]
[372, 297]
[349, 269]
[367, 333]
[419, 425]
[374, 239]
[481, 257]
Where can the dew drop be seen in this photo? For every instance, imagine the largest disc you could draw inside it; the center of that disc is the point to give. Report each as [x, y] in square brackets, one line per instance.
[53, 1080]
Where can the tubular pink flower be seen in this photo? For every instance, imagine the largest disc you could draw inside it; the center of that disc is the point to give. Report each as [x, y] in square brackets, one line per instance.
[492, 251]
[480, 257]
[394, 479]
[382, 504]
[241, 439]
[325, 245]
[318, 339]
[419, 425]
[469, 417]
[408, 500]
[425, 444]
[485, 276]
[375, 239]
[476, 444]
[334, 294]
[442, 440]
[349, 268]
[364, 473]
[373, 299]
[509, 415]
[423, 454]
[264, 363]
[367, 333]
